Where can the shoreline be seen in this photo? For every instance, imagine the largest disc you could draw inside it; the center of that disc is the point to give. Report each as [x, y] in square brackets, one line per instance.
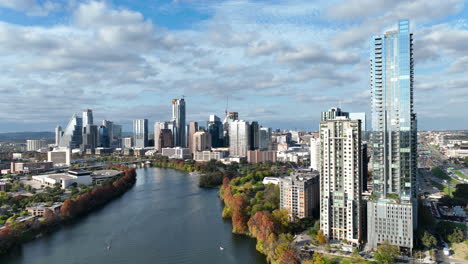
[17, 233]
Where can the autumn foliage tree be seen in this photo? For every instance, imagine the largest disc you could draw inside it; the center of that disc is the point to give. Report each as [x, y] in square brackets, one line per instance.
[321, 238]
[289, 257]
[100, 195]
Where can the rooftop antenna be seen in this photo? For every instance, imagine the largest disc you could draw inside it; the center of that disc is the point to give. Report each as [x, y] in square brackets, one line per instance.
[227, 105]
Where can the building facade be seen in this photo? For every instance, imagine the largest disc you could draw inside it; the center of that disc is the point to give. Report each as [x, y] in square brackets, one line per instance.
[215, 128]
[394, 139]
[192, 129]
[72, 134]
[201, 141]
[333, 113]
[340, 179]
[140, 133]
[299, 194]
[315, 154]
[259, 156]
[35, 144]
[178, 116]
[239, 138]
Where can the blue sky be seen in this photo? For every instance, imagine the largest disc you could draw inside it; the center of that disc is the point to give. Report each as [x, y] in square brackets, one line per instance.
[279, 62]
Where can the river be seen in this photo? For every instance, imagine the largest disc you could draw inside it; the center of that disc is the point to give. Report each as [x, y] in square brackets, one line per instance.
[165, 218]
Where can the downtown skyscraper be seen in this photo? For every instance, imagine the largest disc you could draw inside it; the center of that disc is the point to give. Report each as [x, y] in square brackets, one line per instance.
[140, 133]
[392, 214]
[178, 116]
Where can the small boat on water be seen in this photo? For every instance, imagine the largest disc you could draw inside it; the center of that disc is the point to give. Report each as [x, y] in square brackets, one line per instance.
[221, 248]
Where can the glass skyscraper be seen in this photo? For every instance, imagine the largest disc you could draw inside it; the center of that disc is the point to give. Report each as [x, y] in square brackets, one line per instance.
[178, 116]
[392, 214]
[140, 133]
[393, 120]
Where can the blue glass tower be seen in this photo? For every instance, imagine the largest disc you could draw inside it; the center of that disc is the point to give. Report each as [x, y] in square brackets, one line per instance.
[392, 216]
[393, 120]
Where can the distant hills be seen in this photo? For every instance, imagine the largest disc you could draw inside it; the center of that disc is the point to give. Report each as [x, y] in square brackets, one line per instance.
[21, 137]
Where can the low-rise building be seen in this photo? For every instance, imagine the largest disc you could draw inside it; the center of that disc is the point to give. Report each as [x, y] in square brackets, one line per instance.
[60, 157]
[27, 167]
[99, 176]
[177, 153]
[207, 155]
[271, 180]
[103, 151]
[40, 209]
[299, 194]
[65, 179]
[128, 152]
[258, 156]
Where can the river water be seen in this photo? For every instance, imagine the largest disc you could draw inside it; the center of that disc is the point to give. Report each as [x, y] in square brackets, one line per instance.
[164, 218]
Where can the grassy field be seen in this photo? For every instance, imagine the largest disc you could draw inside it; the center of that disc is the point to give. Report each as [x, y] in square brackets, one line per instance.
[461, 250]
[460, 174]
[439, 173]
[443, 188]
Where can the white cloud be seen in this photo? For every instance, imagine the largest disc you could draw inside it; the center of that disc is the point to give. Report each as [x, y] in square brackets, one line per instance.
[31, 7]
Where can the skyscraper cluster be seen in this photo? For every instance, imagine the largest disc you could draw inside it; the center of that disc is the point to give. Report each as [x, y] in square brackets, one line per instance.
[391, 213]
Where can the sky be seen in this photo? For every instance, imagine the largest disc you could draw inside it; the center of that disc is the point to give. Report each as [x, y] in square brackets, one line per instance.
[279, 62]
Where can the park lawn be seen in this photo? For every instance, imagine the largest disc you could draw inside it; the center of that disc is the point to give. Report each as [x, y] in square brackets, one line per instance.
[439, 173]
[459, 173]
[443, 188]
[461, 250]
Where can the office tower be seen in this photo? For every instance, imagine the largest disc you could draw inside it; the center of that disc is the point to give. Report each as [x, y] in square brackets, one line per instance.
[72, 135]
[140, 133]
[165, 139]
[104, 136]
[193, 128]
[239, 138]
[299, 194]
[215, 128]
[110, 129]
[230, 117]
[333, 113]
[58, 135]
[90, 137]
[201, 141]
[265, 138]
[340, 179]
[87, 117]
[392, 216]
[35, 144]
[127, 142]
[178, 116]
[254, 135]
[315, 154]
[116, 139]
[365, 166]
[158, 126]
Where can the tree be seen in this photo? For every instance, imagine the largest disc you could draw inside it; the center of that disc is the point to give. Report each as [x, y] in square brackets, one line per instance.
[456, 237]
[3, 197]
[321, 238]
[289, 257]
[386, 253]
[428, 240]
[318, 258]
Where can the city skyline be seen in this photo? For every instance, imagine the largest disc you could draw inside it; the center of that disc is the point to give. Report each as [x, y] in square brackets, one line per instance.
[207, 51]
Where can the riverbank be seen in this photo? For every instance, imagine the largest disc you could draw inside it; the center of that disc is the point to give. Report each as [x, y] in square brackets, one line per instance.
[15, 232]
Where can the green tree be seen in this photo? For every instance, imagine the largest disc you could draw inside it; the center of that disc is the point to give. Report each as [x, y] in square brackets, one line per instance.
[318, 258]
[428, 240]
[457, 236]
[3, 197]
[386, 253]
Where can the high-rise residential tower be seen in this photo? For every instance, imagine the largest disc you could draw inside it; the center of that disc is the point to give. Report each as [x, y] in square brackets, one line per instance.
[178, 116]
[340, 179]
[332, 113]
[392, 216]
[58, 135]
[264, 138]
[140, 133]
[239, 138]
[193, 128]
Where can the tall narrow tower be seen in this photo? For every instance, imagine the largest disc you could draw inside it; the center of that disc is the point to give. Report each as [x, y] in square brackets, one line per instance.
[392, 215]
[340, 179]
[178, 116]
